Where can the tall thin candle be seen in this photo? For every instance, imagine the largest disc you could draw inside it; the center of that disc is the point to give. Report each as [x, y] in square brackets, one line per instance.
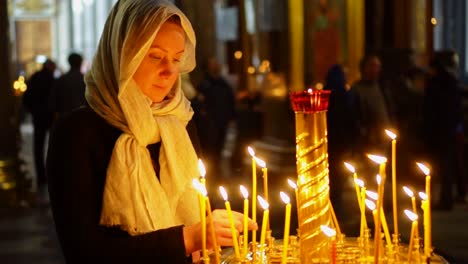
[331, 233]
[202, 190]
[287, 222]
[428, 214]
[262, 164]
[245, 194]
[414, 227]
[360, 183]
[410, 193]
[231, 221]
[264, 204]
[254, 199]
[393, 136]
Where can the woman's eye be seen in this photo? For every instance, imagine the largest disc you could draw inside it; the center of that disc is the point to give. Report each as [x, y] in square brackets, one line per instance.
[156, 57]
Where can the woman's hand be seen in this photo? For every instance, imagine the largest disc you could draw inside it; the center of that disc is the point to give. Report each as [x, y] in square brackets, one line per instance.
[221, 228]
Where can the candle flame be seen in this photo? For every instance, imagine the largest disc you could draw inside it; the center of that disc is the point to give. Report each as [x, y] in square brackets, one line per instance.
[263, 203]
[201, 168]
[411, 215]
[423, 168]
[408, 191]
[223, 193]
[377, 159]
[359, 182]
[390, 134]
[285, 198]
[292, 184]
[310, 90]
[350, 167]
[244, 192]
[370, 204]
[423, 195]
[379, 179]
[199, 187]
[260, 162]
[328, 231]
[251, 151]
[373, 195]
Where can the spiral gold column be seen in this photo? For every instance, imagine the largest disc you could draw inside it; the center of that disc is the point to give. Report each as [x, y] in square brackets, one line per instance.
[312, 168]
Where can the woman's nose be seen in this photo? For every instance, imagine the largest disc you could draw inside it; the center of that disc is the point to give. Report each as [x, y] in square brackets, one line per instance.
[168, 68]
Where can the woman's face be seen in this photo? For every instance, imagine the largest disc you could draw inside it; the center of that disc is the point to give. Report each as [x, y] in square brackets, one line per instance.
[159, 69]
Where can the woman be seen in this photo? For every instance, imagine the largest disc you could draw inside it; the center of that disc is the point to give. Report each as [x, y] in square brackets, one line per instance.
[121, 169]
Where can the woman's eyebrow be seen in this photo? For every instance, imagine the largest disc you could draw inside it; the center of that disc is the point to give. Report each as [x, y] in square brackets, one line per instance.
[158, 47]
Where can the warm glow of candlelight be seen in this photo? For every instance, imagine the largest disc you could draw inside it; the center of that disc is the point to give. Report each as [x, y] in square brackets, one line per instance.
[260, 162]
[423, 168]
[201, 168]
[378, 178]
[423, 195]
[263, 203]
[285, 198]
[373, 195]
[199, 187]
[244, 192]
[251, 151]
[408, 191]
[377, 159]
[350, 167]
[328, 231]
[359, 182]
[390, 134]
[292, 184]
[223, 193]
[411, 215]
[370, 204]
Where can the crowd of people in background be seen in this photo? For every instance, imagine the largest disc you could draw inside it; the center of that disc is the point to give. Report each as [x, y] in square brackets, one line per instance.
[423, 105]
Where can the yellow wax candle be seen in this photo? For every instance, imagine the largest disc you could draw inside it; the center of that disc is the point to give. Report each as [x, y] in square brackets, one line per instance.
[393, 136]
[245, 194]
[425, 222]
[231, 221]
[414, 227]
[331, 233]
[213, 235]
[360, 183]
[356, 185]
[410, 193]
[264, 204]
[382, 162]
[254, 199]
[388, 239]
[287, 222]
[294, 186]
[262, 164]
[428, 214]
[202, 200]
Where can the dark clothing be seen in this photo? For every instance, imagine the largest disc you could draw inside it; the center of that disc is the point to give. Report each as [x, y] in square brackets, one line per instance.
[68, 92]
[80, 149]
[36, 101]
[442, 116]
[342, 131]
[218, 103]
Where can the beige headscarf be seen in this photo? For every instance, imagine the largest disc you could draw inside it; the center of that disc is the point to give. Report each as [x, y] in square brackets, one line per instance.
[134, 199]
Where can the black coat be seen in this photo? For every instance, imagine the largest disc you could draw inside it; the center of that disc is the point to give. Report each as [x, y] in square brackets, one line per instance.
[79, 151]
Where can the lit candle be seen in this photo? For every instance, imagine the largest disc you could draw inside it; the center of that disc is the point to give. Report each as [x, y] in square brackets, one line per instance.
[287, 222]
[331, 233]
[356, 186]
[427, 214]
[202, 171]
[414, 227]
[245, 194]
[264, 204]
[294, 186]
[393, 136]
[202, 190]
[254, 200]
[382, 162]
[262, 164]
[360, 183]
[231, 220]
[423, 197]
[410, 193]
[334, 219]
